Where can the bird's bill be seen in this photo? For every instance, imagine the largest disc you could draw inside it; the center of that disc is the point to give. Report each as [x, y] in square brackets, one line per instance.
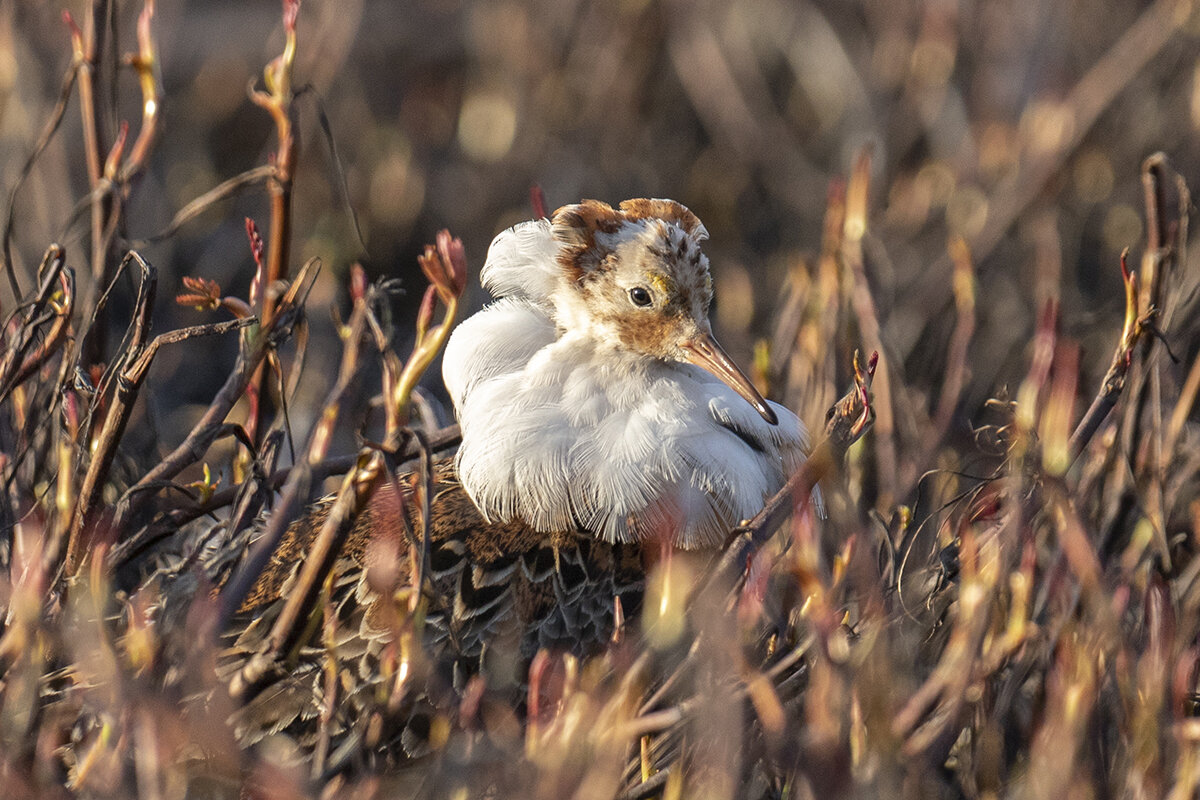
[703, 351]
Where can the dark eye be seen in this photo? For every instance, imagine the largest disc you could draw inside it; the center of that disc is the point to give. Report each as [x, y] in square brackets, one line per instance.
[640, 296]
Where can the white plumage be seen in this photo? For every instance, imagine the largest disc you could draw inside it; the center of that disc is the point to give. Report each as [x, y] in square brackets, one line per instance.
[573, 414]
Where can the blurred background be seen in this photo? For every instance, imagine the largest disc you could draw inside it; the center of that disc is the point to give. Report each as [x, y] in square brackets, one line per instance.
[1017, 125]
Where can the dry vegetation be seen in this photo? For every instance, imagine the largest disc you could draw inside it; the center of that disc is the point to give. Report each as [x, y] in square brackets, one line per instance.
[1003, 598]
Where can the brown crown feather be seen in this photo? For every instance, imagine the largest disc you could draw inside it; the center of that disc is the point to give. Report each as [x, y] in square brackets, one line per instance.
[576, 226]
[669, 210]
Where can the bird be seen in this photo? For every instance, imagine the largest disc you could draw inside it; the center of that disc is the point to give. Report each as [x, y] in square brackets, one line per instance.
[601, 424]
[592, 394]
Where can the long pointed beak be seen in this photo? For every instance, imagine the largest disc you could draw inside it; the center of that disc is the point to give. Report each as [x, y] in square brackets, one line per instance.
[703, 351]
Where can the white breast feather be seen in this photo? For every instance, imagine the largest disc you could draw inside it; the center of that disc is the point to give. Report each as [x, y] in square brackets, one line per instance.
[626, 450]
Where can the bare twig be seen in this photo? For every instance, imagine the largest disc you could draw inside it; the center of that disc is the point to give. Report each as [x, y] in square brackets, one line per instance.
[439, 441]
[203, 434]
[854, 228]
[14, 362]
[113, 426]
[198, 206]
[1183, 406]
[1144, 305]
[145, 63]
[133, 373]
[277, 99]
[51, 127]
[1114, 380]
[88, 47]
[335, 159]
[54, 338]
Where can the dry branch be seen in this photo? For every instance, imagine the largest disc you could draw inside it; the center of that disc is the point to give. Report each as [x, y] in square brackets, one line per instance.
[254, 349]
[130, 376]
[16, 366]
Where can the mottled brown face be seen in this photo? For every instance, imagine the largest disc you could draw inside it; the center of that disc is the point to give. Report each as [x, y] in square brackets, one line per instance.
[637, 280]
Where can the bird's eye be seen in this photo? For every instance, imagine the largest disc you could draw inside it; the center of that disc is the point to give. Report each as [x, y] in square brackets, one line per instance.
[640, 296]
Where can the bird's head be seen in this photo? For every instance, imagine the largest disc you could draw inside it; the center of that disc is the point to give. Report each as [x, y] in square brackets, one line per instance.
[635, 279]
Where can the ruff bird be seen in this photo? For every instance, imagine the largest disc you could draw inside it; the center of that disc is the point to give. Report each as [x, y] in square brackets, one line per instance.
[592, 394]
[600, 419]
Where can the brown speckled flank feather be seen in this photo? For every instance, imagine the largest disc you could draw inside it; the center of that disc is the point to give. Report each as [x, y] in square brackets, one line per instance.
[496, 594]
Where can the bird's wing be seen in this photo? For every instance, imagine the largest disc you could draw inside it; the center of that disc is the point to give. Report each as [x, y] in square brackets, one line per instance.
[787, 440]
